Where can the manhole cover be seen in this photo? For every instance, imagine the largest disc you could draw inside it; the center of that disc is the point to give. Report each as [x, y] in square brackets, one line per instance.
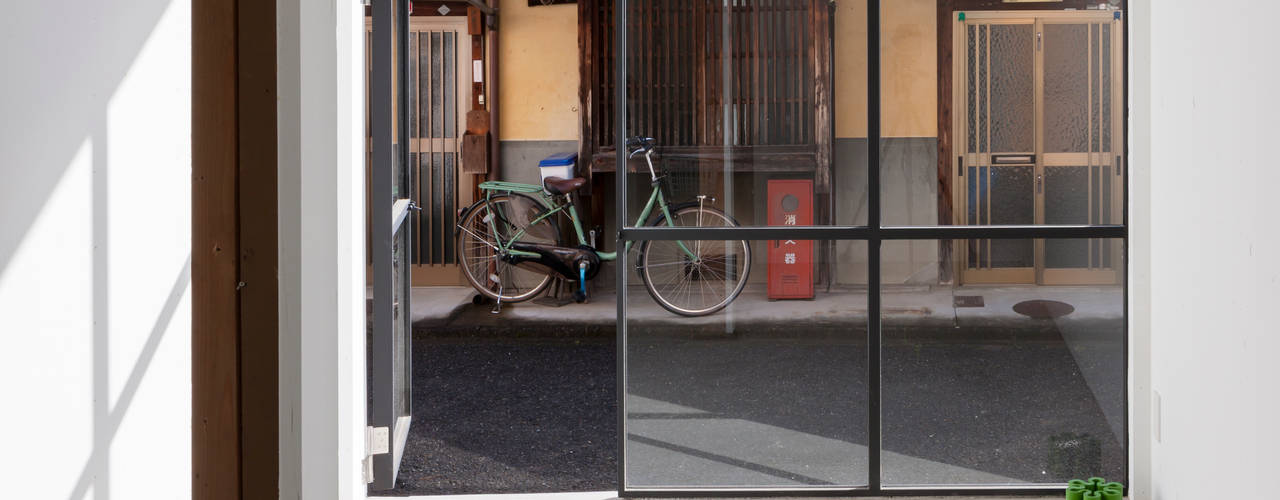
[1043, 309]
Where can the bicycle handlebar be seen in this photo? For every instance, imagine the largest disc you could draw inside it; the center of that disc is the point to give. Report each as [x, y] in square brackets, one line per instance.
[638, 145]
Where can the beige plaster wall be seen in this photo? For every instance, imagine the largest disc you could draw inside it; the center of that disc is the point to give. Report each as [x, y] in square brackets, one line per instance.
[909, 68]
[538, 71]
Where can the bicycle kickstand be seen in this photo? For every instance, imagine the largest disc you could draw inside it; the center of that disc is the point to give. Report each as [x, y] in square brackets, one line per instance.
[497, 304]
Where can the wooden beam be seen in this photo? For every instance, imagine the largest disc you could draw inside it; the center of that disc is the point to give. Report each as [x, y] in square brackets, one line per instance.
[820, 52]
[215, 399]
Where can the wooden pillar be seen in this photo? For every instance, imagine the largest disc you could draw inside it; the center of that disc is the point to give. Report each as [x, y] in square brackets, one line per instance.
[259, 301]
[215, 380]
[234, 238]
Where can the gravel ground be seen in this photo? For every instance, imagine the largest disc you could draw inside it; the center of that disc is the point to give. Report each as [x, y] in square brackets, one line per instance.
[511, 416]
[503, 415]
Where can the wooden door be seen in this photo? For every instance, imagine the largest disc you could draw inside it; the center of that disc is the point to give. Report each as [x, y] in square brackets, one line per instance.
[439, 88]
[440, 95]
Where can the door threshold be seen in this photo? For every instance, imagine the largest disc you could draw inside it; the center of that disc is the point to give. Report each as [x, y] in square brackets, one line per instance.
[576, 495]
[610, 495]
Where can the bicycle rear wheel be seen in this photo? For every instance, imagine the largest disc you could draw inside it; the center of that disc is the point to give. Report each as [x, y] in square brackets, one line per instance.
[500, 218]
[695, 278]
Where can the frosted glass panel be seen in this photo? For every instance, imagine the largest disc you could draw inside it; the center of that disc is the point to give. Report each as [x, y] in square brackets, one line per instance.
[1012, 202]
[1095, 82]
[1066, 201]
[1106, 87]
[1066, 88]
[971, 52]
[1012, 88]
[983, 93]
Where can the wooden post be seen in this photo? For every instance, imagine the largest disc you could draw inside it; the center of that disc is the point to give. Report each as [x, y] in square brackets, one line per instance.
[259, 297]
[215, 382]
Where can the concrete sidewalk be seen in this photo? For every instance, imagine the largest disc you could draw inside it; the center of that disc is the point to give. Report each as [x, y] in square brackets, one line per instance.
[925, 310]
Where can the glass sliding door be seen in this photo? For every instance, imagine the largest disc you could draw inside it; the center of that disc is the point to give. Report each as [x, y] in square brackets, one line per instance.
[743, 399]
[1016, 387]
[390, 350]
[761, 394]
[922, 295]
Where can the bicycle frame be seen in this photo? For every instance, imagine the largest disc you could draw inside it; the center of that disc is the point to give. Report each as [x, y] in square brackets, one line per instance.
[656, 200]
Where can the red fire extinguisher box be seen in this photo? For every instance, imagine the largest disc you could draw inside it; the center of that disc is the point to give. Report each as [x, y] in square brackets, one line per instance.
[790, 261]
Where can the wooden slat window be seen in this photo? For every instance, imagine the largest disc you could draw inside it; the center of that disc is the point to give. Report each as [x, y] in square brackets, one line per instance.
[752, 75]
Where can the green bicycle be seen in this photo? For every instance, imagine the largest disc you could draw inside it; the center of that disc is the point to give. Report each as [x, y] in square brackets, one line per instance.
[510, 248]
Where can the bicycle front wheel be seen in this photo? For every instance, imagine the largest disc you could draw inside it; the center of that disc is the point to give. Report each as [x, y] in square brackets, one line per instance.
[502, 217]
[695, 278]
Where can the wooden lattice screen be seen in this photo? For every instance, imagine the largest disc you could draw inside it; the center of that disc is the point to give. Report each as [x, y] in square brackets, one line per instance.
[753, 76]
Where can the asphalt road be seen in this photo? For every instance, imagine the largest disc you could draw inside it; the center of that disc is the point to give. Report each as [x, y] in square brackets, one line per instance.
[500, 415]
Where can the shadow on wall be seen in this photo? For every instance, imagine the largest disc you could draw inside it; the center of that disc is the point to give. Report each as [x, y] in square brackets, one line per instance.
[64, 66]
[94, 224]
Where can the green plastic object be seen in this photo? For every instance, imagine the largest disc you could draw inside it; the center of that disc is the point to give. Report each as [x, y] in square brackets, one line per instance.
[1092, 495]
[1076, 492]
[1112, 494]
[961, 16]
[1077, 482]
[1113, 486]
[1095, 483]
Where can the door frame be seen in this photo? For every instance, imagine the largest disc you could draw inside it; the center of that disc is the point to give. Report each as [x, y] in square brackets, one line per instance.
[1039, 274]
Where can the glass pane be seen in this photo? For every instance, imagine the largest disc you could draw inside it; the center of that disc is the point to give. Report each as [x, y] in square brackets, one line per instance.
[437, 84]
[990, 120]
[1013, 88]
[1095, 82]
[402, 328]
[426, 103]
[1106, 87]
[984, 92]
[739, 94]
[1066, 88]
[449, 85]
[971, 56]
[1002, 385]
[762, 394]
[1067, 200]
[399, 115]
[909, 109]
[1012, 203]
[414, 83]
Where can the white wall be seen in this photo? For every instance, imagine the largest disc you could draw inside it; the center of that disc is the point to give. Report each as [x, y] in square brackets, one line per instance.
[320, 56]
[1212, 248]
[95, 169]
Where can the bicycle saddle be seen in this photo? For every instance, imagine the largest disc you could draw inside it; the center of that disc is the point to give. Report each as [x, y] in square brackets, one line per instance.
[559, 186]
